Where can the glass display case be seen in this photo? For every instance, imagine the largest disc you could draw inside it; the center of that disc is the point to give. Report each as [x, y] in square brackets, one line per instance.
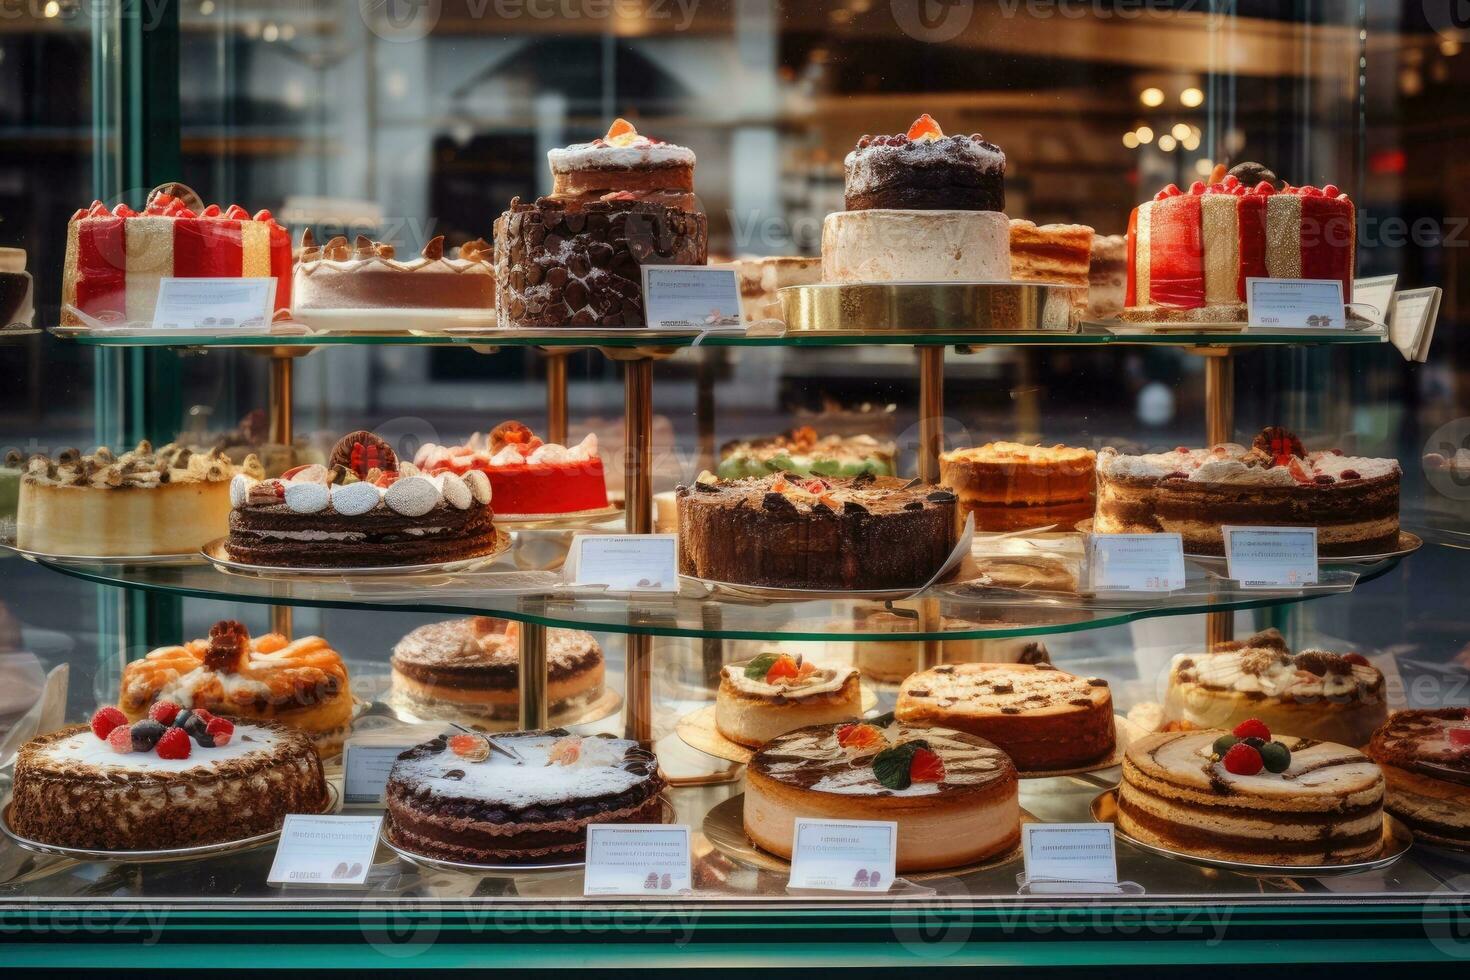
[302, 557]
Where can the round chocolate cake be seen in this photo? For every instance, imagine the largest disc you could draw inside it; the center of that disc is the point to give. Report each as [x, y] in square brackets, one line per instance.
[456, 799]
[924, 170]
[816, 533]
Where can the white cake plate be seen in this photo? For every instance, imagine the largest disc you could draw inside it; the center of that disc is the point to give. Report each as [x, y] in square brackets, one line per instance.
[182, 558]
[573, 518]
[218, 554]
[1396, 841]
[152, 856]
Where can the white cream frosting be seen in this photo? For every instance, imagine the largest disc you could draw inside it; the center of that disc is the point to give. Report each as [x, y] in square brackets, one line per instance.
[1228, 464]
[882, 245]
[825, 680]
[641, 152]
[87, 749]
[476, 451]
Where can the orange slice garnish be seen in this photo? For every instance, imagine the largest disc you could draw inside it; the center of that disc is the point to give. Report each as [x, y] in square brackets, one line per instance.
[925, 129]
[620, 133]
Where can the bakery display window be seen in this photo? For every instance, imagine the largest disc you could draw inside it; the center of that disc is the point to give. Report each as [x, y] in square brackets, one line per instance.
[1047, 506]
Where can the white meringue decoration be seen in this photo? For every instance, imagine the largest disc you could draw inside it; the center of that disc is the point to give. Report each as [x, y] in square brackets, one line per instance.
[352, 499]
[586, 449]
[508, 456]
[314, 473]
[549, 453]
[239, 490]
[479, 485]
[456, 491]
[412, 496]
[307, 498]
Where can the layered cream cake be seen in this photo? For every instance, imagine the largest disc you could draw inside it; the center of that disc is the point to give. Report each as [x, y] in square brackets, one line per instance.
[1009, 486]
[775, 693]
[1324, 807]
[953, 795]
[369, 275]
[527, 476]
[1107, 276]
[1425, 757]
[1042, 717]
[1352, 501]
[1059, 254]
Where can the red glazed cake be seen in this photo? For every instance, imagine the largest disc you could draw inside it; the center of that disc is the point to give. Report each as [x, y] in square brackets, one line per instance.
[526, 475]
[116, 257]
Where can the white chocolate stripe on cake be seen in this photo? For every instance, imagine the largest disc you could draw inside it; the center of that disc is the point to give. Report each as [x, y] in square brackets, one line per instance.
[150, 256]
[255, 248]
[1220, 217]
[1141, 262]
[1284, 236]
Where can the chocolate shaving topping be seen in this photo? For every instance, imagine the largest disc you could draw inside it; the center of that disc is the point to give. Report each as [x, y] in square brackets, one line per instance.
[434, 248]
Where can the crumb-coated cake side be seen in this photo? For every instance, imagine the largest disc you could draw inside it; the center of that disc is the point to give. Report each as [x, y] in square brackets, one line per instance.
[1425, 757]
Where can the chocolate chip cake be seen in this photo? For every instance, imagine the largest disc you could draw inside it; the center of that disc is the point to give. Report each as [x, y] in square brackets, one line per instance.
[818, 533]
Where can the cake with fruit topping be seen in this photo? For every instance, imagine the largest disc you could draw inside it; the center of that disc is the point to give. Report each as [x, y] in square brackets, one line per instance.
[1191, 252]
[773, 693]
[821, 533]
[527, 476]
[952, 794]
[1425, 757]
[364, 509]
[576, 257]
[468, 671]
[526, 798]
[921, 207]
[1352, 501]
[1044, 718]
[164, 501]
[115, 257]
[1009, 486]
[1248, 797]
[1331, 697]
[299, 683]
[801, 452]
[369, 275]
[196, 779]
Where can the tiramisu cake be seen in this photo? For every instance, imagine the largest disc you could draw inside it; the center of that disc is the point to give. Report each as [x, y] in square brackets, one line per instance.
[803, 453]
[369, 275]
[299, 683]
[1425, 757]
[1009, 486]
[527, 476]
[1042, 717]
[469, 670]
[575, 258]
[1331, 697]
[365, 508]
[169, 781]
[953, 795]
[1191, 252]
[1247, 797]
[921, 207]
[1352, 501]
[775, 693]
[168, 501]
[761, 281]
[527, 800]
[1057, 254]
[820, 533]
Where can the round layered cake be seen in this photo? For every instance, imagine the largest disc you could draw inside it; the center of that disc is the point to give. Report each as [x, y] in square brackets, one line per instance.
[527, 476]
[369, 275]
[457, 799]
[775, 693]
[1425, 757]
[76, 789]
[1009, 486]
[953, 795]
[1324, 807]
[1044, 718]
[469, 670]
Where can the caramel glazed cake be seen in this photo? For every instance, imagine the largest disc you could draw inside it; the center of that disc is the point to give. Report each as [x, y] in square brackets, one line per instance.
[1325, 808]
[1425, 756]
[469, 670]
[74, 789]
[454, 799]
[1352, 501]
[953, 795]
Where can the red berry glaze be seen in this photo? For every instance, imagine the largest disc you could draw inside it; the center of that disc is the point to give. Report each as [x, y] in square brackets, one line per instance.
[164, 712]
[1253, 728]
[105, 720]
[1243, 760]
[1460, 736]
[175, 744]
[926, 767]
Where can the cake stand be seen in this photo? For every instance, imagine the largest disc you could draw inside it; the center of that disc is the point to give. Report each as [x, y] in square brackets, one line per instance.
[7, 543]
[217, 554]
[953, 309]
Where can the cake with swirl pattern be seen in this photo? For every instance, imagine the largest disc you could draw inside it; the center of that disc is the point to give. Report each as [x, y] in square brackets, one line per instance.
[1425, 757]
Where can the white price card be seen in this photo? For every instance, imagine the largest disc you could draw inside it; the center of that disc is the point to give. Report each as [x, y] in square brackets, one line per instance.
[214, 304]
[625, 562]
[1295, 303]
[1071, 852]
[365, 766]
[844, 855]
[325, 850]
[649, 859]
[1411, 324]
[1375, 294]
[1135, 562]
[1271, 557]
[691, 297]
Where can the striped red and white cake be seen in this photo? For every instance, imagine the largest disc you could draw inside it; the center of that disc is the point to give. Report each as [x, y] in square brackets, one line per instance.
[1324, 807]
[1425, 755]
[115, 257]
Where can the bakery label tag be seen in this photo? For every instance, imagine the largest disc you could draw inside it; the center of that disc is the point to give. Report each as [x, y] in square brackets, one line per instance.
[1135, 562]
[1069, 852]
[325, 850]
[691, 298]
[365, 766]
[215, 304]
[844, 855]
[624, 562]
[1271, 557]
[650, 859]
[1375, 295]
[1312, 303]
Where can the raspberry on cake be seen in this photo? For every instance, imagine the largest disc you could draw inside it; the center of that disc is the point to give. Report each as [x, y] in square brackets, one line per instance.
[1009, 486]
[527, 477]
[774, 693]
[368, 275]
[1425, 757]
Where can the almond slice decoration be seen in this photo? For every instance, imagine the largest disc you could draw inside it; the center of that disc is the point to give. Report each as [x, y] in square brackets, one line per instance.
[229, 647]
